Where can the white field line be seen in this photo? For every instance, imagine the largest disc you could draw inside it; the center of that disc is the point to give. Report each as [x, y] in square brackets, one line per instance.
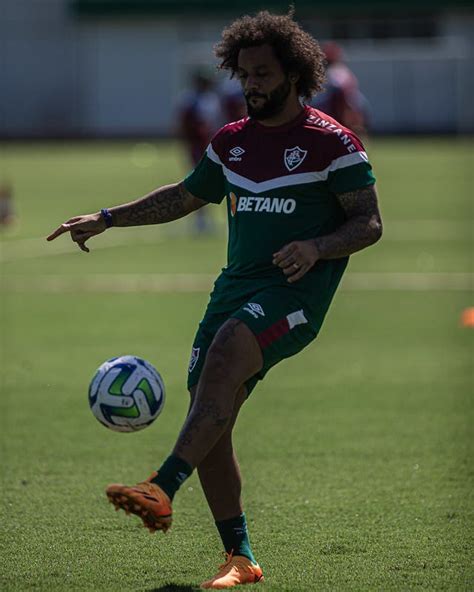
[33, 248]
[428, 230]
[172, 283]
[395, 230]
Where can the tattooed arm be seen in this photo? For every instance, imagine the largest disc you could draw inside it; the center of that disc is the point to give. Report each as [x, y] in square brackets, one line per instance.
[165, 204]
[162, 205]
[363, 227]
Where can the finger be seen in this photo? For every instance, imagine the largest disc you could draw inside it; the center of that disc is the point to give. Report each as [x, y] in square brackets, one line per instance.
[299, 274]
[287, 261]
[59, 230]
[79, 236]
[284, 252]
[65, 227]
[293, 268]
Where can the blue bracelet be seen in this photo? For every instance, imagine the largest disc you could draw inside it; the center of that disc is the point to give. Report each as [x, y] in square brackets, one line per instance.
[107, 216]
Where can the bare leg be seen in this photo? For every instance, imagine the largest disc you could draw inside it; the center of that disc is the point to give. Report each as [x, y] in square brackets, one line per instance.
[234, 356]
[205, 442]
[219, 472]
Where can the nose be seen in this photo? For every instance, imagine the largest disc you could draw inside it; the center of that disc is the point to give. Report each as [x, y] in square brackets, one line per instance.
[251, 84]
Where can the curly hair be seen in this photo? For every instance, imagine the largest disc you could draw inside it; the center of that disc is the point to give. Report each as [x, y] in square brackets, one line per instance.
[296, 50]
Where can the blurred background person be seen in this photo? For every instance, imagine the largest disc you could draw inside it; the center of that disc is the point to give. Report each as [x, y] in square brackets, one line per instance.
[7, 212]
[232, 100]
[342, 98]
[200, 116]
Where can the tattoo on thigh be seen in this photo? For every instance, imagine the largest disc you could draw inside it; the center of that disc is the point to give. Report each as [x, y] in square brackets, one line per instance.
[228, 331]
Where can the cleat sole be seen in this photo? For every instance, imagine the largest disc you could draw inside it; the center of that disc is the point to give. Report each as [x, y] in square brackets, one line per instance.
[128, 502]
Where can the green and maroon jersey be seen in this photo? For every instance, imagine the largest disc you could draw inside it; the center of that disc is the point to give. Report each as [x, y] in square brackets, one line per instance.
[280, 184]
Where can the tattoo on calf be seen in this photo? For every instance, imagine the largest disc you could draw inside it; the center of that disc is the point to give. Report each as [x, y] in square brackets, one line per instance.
[201, 412]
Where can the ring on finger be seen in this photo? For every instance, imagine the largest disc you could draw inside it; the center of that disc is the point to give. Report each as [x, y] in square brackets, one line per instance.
[296, 265]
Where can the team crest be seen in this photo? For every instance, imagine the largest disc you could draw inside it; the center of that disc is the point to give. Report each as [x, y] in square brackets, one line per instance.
[194, 358]
[294, 157]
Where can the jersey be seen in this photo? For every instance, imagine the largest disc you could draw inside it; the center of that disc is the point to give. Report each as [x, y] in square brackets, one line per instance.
[280, 184]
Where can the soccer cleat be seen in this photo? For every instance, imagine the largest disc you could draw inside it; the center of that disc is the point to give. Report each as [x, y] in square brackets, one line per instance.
[146, 500]
[235, 571]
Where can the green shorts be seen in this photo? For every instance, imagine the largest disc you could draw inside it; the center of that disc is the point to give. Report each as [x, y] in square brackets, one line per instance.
[284, 317]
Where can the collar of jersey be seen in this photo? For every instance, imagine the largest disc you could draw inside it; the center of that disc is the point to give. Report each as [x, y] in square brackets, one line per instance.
[272, 129]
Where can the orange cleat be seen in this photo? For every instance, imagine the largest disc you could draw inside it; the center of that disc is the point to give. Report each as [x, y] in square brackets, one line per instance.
[146, 500]
[235, 571]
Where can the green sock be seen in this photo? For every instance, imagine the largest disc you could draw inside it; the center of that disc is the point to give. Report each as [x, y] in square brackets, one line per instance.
[235, 536]
[172, 474]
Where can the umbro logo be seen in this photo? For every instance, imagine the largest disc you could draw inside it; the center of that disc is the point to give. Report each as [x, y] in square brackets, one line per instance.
[236, 154]
[254, 309]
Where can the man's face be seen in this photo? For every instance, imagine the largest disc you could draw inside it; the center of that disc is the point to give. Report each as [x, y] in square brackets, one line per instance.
[266, 86]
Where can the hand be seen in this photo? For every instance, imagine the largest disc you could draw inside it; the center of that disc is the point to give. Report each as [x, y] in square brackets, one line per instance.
[82, 228]
[296, 258]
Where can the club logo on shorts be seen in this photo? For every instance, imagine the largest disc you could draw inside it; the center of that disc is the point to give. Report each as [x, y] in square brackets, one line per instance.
[194, 358]
[254, 309]
[294, 157]
[233, 203]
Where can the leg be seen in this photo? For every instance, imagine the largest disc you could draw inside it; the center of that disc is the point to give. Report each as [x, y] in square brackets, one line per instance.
[220, 478]
[219, 472]
[233, 357]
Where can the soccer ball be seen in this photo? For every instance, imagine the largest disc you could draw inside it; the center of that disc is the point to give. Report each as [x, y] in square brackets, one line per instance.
[126, 394]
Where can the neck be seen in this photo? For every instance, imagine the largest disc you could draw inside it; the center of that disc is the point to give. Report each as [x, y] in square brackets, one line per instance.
[292, 109]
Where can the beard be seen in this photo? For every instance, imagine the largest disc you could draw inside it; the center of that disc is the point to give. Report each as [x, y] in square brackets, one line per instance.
[274, 102]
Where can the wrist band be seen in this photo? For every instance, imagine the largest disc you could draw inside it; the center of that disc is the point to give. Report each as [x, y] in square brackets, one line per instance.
[107, 216]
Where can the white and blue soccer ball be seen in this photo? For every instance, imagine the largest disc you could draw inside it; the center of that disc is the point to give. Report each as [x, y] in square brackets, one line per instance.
[126, 394]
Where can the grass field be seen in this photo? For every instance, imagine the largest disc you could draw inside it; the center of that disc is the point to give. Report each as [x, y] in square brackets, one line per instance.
[356, 454]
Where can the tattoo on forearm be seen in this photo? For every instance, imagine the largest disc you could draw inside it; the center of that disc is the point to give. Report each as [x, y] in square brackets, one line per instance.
[162, 205]
[362, 228]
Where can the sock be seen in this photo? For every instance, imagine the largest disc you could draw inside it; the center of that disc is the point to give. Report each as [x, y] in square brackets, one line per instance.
[235, 536]
[172, 474]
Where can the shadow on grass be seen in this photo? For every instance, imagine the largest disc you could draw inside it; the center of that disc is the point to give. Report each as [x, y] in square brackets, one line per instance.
[174, 588]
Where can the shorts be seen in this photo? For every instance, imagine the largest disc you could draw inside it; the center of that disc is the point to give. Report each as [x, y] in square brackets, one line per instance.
[284, 318]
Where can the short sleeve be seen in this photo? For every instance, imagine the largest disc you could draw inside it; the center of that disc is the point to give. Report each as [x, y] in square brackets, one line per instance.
[207, 180]
[350, 172]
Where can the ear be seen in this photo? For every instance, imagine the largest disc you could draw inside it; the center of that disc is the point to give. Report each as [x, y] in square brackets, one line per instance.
[293, 77]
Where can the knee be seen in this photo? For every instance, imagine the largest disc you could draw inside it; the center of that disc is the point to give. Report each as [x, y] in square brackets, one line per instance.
[233, 357]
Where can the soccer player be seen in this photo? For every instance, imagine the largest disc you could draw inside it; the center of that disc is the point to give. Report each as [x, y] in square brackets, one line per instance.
[200, 116]
[342, 98]
[300, 199]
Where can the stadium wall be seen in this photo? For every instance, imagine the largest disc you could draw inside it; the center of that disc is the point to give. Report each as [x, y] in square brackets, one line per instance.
[69, 76]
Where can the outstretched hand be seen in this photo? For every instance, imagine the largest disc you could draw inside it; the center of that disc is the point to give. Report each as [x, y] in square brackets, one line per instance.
[296, 258]
[82, 228]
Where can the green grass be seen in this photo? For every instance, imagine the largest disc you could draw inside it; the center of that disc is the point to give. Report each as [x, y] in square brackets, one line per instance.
[356, 454]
